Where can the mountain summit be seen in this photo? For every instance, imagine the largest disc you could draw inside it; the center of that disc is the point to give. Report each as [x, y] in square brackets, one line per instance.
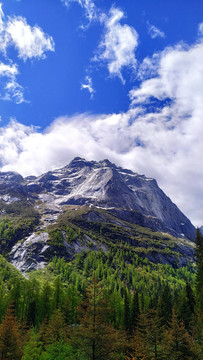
[99, 202]
[102, 184]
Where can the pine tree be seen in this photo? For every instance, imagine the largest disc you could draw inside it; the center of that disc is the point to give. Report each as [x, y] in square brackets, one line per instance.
[95, 336]
[33, 347]
[135, 311]
[164, 308]
[199, 285]
[127, 317]
[58, 295]
[138, 349]
[177, 343]
[56, 329]
[10, 337]
[199, 262]
[187, 306]
[45, 301]
[149, 332]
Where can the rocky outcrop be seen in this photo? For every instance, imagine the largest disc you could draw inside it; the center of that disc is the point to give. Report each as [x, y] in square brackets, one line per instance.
[12, 186]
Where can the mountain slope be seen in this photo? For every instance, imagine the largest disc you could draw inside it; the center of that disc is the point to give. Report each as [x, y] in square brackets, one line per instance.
[99, 200]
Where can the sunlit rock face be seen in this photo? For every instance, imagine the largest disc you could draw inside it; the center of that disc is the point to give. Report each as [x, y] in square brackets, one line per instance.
[103, 184]
[108, 191]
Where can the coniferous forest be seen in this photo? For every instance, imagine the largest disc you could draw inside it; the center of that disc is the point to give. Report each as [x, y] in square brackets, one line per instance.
[103, 305]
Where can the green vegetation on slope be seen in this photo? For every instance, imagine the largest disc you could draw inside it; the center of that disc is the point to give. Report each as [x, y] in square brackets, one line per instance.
[108, 299]
[104, 229]
[17, 220]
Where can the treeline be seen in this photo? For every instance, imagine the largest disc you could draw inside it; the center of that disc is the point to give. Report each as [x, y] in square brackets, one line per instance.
[100, 305]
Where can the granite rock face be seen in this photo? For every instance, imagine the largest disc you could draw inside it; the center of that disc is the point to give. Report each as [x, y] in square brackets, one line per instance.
[105, 185]
[126, 196]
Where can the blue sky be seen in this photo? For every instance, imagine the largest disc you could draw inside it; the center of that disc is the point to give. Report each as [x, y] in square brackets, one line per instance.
[99, 79]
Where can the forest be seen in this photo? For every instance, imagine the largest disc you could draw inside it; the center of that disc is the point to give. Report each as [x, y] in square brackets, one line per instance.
[103, 305]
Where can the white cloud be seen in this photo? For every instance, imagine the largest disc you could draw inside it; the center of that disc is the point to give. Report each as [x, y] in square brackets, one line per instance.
[1, 17]
[179, 76]
[154, 32]
[200, 29]
[8, 70]
[149, 67]
[87, 5]
[117, 48]
[14, 91]
[10, 89]
[29, 41]
[88, 85]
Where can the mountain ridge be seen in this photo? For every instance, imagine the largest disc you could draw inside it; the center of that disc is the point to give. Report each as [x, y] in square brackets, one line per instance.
[106, 185]
[100, 203]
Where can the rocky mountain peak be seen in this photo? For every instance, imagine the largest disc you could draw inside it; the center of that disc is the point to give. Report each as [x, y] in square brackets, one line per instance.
[105, 194]
[103, 184]
[79, 162]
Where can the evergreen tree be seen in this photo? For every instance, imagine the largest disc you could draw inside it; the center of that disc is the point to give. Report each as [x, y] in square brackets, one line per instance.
[95, 336]
[58, 296]
[177, 343]
[199, 262]
[56, 329]
[138, 349]
[33, 348]
[10, 337]
[149, 332]
[199, 285]
[187, 305]
[127, 317]
[45, 301]
[164, 308]
[135, 311]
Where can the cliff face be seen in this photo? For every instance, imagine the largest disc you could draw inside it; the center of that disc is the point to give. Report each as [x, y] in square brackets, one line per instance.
[121, 194]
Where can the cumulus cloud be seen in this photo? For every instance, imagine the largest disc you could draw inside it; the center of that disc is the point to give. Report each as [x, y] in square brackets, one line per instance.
[117, 48]
[88, 85]
[8, 70]
[119, 42]
[165, 143]
[30, 42]
[154, 32]
[178, 76]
